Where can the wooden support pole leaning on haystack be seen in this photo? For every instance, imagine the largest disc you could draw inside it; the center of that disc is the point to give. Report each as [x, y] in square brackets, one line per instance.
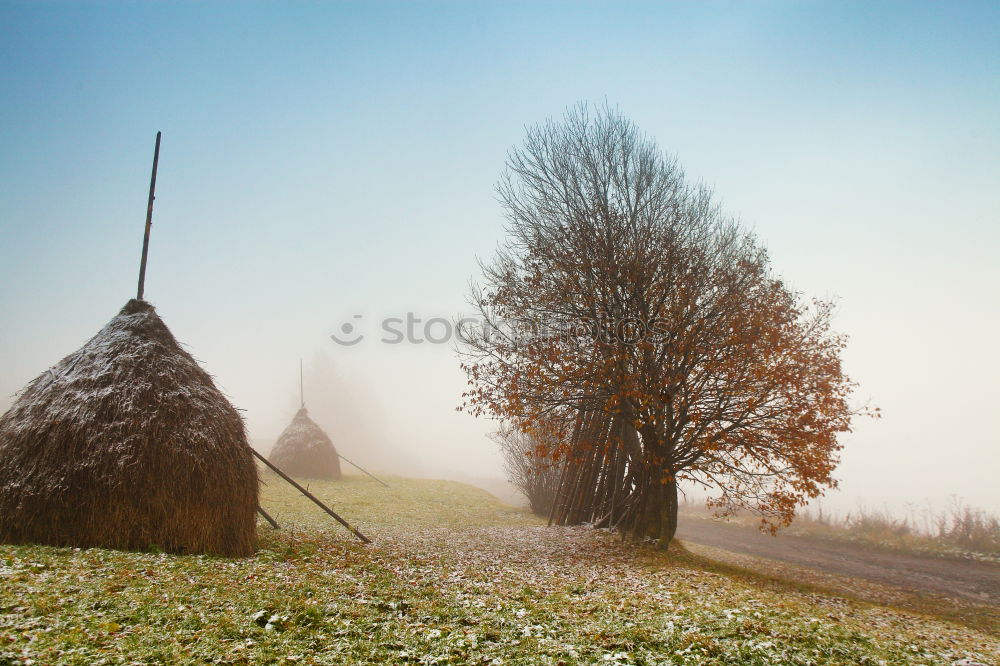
[149, 219]
[268, 517]
[364, 470]
[315, 500]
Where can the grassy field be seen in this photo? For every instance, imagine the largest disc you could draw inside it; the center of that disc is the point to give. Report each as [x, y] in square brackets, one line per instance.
[453, 576]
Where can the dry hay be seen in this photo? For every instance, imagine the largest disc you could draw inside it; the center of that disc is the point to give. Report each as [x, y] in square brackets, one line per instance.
[127, 443]
[304, 450]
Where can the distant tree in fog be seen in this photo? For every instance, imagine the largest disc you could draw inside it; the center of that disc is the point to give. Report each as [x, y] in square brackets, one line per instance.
[528, 465]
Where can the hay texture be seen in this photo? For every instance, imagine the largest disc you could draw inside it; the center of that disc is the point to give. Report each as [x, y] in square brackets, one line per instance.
[304, 450]
[128, 444]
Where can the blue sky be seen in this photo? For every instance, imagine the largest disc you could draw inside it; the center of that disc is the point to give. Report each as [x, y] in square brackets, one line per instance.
[322, 160]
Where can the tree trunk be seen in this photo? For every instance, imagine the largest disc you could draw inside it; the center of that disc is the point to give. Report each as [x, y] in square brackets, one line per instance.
[656, 507]
[668, 513]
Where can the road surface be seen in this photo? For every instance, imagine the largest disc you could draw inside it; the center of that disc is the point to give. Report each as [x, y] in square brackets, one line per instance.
[964, 579]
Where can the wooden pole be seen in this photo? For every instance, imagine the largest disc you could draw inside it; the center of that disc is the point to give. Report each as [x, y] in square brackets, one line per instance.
[364, 470]
[302, 392]
[308, 494]
[149, 219]
[268, 517]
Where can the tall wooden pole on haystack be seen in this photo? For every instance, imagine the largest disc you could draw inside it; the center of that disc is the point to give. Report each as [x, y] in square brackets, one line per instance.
[149, 219]
[302, 392]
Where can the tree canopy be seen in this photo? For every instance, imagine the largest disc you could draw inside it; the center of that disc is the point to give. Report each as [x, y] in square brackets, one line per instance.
[628, 309]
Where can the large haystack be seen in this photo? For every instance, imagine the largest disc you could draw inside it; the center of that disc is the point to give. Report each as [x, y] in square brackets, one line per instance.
[304, 450]
[127, 443]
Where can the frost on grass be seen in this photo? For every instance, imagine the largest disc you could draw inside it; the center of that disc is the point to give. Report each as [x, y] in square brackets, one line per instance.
[453, 577]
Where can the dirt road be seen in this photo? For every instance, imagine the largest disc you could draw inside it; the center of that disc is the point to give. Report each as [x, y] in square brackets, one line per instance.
[970, 580]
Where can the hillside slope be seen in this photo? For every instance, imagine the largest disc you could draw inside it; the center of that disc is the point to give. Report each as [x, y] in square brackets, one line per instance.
[453, 576]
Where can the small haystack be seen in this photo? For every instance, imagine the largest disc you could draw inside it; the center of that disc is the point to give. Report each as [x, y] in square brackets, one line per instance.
[127, 443]
[305, 451]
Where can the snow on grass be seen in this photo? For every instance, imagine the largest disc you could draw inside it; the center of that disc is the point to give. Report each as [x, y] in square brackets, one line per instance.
[454, 576]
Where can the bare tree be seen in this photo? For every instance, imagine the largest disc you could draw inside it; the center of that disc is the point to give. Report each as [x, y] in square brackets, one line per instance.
[529, 467]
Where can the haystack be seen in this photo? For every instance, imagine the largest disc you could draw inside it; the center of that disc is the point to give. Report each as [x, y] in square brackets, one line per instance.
[128, 444]
[304, 450]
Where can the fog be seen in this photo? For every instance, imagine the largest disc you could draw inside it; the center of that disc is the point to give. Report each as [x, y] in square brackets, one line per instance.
[378, 430]
[329, 170]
